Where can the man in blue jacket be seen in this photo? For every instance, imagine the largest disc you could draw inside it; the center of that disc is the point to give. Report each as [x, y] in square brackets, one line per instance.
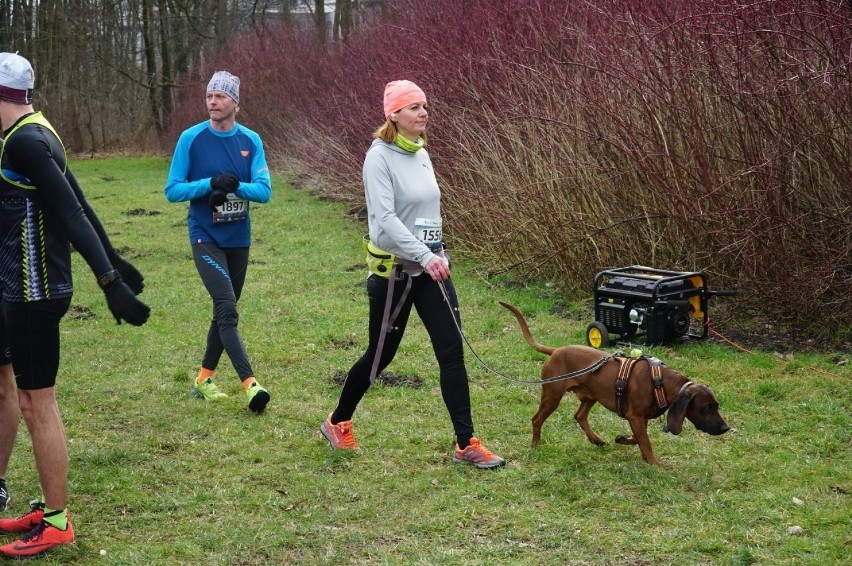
[220, 167]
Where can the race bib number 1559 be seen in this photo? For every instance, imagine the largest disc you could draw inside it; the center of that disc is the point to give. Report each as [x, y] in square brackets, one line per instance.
[430, 232]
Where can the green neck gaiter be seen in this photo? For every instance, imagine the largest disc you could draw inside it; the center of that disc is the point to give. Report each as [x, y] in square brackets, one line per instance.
[407, 144]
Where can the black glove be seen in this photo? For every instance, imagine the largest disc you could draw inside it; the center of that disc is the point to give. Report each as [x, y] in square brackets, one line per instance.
[124, 305]
[218, 198]
[130, 274]
[226, 183]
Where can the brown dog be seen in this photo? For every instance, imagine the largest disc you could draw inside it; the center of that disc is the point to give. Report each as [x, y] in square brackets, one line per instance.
[686, 399]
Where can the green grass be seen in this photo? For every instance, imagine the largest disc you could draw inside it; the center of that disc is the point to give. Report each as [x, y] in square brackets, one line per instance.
[160, 477]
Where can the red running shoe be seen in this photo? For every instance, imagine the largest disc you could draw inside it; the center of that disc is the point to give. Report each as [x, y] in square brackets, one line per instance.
[42, 538]
[26, 522]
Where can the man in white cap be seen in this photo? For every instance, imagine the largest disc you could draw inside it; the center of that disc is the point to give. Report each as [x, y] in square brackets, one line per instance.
[44, 213]
[219, 167]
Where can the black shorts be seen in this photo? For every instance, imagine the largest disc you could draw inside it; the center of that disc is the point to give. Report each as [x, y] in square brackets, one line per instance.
[32, 331]
[5, 351]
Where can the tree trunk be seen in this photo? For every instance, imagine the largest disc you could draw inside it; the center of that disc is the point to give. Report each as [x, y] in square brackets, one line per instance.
[166, 71]
[319, 15]
[150, 56]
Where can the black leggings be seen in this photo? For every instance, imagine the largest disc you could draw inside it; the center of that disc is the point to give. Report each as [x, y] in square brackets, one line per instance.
[427, 298]
[32, 331]
[223, 272]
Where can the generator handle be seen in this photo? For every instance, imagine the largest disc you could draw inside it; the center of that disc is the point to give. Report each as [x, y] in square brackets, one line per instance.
[725, 293]
[672, 303]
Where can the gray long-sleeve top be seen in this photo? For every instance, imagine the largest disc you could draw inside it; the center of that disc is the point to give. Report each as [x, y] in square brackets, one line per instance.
[401, 190]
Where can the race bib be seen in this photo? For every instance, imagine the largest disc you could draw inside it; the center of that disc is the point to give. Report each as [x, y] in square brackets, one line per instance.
[429, 232]
[232, 210]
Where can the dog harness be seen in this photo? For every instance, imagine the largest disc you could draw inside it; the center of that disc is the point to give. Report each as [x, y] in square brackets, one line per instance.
[625, 367]
[657, 378]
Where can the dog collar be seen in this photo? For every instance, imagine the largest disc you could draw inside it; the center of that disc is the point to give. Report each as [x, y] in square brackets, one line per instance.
[684, 386]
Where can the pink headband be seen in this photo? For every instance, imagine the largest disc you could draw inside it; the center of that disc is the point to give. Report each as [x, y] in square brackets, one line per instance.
[399, 94]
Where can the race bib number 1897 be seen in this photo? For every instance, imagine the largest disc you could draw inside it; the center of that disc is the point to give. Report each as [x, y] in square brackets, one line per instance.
[231, 210]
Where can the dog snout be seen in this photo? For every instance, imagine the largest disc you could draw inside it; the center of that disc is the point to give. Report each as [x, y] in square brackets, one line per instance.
[718, 431]
[713, 428]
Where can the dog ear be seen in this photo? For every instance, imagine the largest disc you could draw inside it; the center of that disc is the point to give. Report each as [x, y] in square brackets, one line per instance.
[674, 422]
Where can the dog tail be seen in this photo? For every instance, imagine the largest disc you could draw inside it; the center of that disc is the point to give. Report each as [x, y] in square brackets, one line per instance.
[525, 330]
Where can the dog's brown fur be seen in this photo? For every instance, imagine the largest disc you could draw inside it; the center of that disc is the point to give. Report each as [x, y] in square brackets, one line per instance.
[694, 402]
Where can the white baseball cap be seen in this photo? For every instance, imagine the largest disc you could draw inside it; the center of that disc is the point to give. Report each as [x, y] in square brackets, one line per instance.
[17, 79]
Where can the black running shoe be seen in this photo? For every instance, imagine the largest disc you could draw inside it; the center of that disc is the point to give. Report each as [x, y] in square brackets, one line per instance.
[4, 496]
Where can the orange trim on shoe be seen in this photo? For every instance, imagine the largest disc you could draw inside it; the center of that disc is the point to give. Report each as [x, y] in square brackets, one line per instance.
[339, 435]
[478, 455]
[204, 374]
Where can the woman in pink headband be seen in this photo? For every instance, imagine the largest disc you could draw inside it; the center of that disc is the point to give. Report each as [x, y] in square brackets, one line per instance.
[408, 267]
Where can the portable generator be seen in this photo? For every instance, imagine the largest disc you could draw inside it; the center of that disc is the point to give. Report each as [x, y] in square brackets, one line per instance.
[663, 306]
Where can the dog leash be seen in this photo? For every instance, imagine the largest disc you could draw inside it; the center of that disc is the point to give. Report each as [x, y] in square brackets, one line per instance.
[388, 317]
[564, 377]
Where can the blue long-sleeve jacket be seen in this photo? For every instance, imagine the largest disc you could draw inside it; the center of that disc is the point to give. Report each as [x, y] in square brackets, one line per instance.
[203, 153]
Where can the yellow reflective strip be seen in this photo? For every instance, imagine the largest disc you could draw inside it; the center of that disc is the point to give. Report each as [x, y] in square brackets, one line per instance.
[25, 261]
[43, 242]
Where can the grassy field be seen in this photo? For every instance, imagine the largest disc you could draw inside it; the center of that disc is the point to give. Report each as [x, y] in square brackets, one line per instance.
[160, 477]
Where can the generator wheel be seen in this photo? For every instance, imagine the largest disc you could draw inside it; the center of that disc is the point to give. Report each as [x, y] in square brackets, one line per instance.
[597, 336]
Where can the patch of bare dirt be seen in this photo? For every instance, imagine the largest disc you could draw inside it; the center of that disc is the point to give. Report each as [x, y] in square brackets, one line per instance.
[80, 312]
[386, 378]
[142, 212]
[769, 337]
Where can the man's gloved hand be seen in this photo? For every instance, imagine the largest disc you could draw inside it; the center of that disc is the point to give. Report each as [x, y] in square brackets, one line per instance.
[124, 305]
[218, 198]
[130, 274]
[226, 183]
[222, 185]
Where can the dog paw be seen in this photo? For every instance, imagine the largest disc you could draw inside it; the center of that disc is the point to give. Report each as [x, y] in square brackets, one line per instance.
[625, 439]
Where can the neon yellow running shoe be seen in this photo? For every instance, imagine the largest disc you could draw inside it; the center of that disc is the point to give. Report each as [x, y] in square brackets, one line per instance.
[207, 390]
[258, 397]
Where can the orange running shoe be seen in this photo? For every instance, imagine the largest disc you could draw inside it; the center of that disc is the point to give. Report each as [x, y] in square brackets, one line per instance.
[478, 455]
[42, 538]
[26, 522]
[339, 435]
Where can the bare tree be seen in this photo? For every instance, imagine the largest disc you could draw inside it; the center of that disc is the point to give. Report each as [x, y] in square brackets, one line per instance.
[342, 19]
[108, 72]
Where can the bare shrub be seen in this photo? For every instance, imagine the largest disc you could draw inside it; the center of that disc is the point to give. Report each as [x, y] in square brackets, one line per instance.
[570, 137]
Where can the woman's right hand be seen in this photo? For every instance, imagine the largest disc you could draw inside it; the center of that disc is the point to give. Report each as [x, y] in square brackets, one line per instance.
[438, 268]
